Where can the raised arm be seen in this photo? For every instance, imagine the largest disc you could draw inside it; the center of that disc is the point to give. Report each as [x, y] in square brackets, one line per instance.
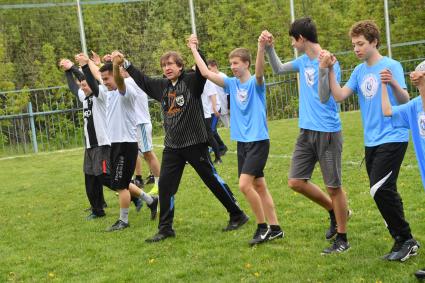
[277, 65]
[200, 63]
[67, 66]
[259, 61]
[83, 60]
[399, 93]
[117, 61]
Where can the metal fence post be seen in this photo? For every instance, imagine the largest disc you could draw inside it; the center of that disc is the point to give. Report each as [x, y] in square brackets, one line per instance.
[192, 17]
[81, 26]
[32, 125]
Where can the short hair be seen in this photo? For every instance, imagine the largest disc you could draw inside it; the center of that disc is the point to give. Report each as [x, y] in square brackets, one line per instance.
[304, 27]
[212, 62]
[172, 54]
[242, 53]
[108, 66]
[368, 29]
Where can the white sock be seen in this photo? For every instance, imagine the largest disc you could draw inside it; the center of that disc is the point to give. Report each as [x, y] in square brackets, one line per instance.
[124, 214]
[156, 181]
[147, 198]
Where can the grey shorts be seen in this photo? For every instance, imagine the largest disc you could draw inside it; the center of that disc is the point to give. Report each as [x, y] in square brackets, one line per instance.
[96, 160]
[322, 147]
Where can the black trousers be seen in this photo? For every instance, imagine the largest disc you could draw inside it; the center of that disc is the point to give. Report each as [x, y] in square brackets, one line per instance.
[383, 165]
[172, 166]
[94, 191]
[211, 138]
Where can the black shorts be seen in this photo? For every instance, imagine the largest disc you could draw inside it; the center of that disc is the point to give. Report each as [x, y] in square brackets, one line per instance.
[252, 157]
[123, 163]
[96, 160]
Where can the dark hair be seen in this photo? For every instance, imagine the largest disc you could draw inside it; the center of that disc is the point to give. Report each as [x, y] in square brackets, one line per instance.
[172, 54]
[106, 67]
[368, 29]
[212, 62]
[242, 53]
[304, 27]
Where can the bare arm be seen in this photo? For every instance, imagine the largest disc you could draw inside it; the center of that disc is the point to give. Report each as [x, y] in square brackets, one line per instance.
[399, 93]
[215, 78]
[259, 61]
[117, 61]
[386, 105]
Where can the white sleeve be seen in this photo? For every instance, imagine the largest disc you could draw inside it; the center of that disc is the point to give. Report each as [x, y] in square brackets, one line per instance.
[81, 95]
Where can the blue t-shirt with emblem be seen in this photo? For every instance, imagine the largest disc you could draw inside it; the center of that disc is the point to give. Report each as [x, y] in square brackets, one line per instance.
[248, 121]
[412, 116]
[366, 83]
[315, 115]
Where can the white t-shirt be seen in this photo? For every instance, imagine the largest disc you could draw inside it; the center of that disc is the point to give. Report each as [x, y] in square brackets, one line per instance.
[210, 89]
[121, 114]
[222, 97]
[94, 112]
[142, 105]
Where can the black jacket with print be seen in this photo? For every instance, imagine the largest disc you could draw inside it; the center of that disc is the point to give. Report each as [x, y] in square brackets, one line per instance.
[181, 106]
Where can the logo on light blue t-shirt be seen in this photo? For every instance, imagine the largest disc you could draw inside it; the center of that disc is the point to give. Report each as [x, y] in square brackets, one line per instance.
[369, 85]
[421, 124]
[242, 95]
[309, 75]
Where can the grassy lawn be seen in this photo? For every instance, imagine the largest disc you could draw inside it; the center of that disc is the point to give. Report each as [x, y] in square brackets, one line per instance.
[44, 235]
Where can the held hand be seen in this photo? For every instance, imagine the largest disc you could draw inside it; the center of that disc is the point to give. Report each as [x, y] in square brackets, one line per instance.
[192, 42]
[95, 58]
[325, 59]
[107, 58]
[82, 59]
[416, 77]
[267, 37]
[386, 76]
[117, 58]
[65, 64]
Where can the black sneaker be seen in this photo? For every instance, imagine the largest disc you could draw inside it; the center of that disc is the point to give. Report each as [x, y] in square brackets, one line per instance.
[275, 235]
[331, 232]
[153, 207]
[161, 236]
[92, 216]
[119, 225]
[150, 179]
[223, 151]
[402, 251]
[261, 235]
[420, 274]
[338, 246]
[236, 222]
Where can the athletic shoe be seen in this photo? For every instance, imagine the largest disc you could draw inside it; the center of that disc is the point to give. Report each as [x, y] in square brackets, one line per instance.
[154, 190]
[402, 251]
[218, 161]
[338, 246]
[331, 232]
[153, 207]
[150, 179]
[275, 234]
[92, 216]
[139, 204]
[119, 225]
[420, 274]
[160, 236]
[236, 222]
[261, 235]
[223, 151]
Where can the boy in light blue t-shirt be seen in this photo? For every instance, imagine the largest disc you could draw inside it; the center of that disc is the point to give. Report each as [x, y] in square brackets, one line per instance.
[385, 145]
[249, 128]
[411, 116]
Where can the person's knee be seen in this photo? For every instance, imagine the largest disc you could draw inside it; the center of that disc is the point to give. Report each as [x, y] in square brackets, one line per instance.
[295, 184]
[334, 191]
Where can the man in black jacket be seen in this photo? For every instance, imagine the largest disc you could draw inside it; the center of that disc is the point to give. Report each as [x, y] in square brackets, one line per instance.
[185, 139]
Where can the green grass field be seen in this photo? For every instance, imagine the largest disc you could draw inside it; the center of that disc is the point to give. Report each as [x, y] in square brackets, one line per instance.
[44, 235]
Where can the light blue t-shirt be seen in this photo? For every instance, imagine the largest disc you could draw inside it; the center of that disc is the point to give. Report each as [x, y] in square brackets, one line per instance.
[412, 116]
[248, 121]
[366, 83]
[315, 115]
